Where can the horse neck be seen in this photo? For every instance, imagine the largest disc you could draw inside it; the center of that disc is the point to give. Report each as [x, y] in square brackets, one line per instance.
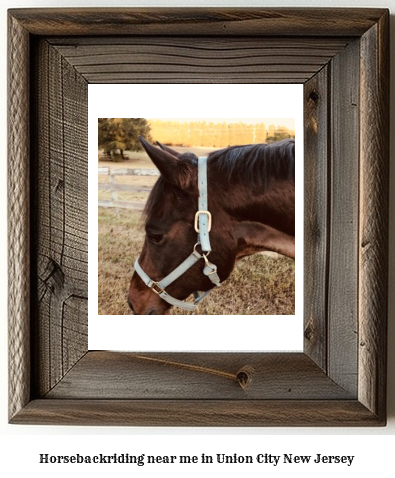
[273, 205]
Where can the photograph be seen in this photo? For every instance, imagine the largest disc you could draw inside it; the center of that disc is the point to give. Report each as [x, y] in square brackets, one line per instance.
[199, 219]
[203, 206]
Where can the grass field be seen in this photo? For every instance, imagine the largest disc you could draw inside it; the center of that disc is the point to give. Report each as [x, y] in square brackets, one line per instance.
[259, 285]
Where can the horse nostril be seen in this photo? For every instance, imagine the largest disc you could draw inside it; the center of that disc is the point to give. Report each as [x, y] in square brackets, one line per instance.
[152, 312]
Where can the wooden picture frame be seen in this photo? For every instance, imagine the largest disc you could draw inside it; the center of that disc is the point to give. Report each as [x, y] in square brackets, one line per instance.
[342, 58]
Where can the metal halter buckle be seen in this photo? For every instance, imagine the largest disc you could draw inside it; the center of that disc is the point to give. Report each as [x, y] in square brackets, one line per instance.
[155, 284]
[197, 219]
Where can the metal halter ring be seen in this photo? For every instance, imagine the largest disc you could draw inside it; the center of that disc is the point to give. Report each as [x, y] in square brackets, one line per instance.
[203, 255]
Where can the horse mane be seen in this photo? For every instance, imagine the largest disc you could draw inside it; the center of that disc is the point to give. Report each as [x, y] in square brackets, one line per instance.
[256, 164]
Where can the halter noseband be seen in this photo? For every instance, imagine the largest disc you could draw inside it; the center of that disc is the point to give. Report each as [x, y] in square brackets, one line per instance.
[202, 227]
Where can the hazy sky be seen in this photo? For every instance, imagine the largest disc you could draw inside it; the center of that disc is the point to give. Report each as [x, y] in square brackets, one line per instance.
[287, 122]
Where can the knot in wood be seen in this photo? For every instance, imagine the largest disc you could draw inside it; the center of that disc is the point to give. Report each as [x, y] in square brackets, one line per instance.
[244, 376]
[313, 96]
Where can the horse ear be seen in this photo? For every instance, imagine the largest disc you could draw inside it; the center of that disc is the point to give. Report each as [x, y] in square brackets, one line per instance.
[174, 171]
[169, 150]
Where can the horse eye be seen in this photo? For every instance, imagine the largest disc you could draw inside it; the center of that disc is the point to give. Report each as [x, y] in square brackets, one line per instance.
[155, 238]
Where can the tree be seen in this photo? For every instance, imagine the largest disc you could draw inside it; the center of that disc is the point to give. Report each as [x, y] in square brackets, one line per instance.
[117, 135]
[279, 133]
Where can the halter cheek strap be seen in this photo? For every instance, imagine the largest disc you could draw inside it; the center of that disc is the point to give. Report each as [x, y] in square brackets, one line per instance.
[202, 227]
[203, 216]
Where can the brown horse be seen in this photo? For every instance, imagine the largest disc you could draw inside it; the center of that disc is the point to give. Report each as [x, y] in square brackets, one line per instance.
[251, 198]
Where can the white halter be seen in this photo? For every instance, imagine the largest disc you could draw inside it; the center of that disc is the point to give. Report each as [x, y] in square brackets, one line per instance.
[202, 227]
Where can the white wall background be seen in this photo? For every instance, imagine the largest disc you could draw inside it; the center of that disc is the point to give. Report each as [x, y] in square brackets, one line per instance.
[372, 447]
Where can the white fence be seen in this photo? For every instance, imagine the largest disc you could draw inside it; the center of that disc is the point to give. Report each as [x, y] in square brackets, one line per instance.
[114, 187]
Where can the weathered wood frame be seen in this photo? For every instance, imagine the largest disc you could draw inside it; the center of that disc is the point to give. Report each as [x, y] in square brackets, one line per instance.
[340, 378]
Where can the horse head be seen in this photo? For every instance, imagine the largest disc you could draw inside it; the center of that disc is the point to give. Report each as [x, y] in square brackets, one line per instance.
[171, 236]
[171, 233]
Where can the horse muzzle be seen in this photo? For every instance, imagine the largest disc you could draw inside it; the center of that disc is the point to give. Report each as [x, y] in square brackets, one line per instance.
[142, 301]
